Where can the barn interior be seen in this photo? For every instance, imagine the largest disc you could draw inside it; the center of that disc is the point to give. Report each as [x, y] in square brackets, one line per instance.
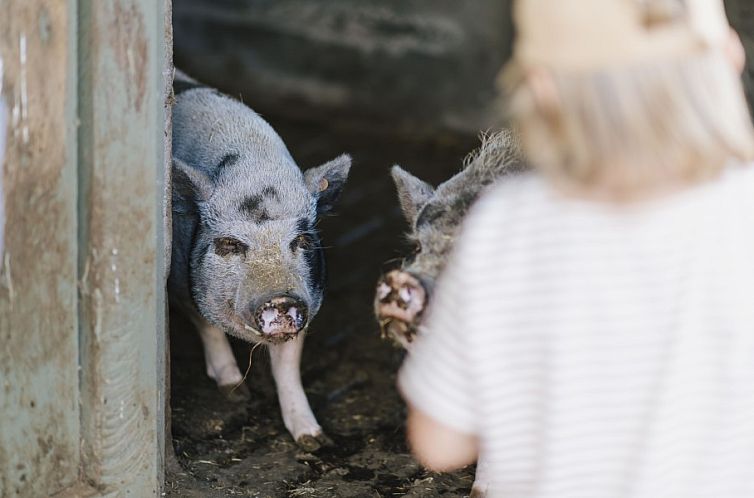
[407, 82]
[242, 448]
[85, 124]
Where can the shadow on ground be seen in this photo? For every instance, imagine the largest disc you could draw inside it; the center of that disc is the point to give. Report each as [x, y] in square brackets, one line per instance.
[242, 449]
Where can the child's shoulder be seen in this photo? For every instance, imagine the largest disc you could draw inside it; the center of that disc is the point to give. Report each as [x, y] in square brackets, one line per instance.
[739, 175]
[515, 196]
[508, 203]
[514, 190]
[734, 189]
[527, 199]
[533, 190]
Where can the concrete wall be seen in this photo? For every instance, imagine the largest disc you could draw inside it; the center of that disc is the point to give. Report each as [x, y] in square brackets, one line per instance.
[411, 65]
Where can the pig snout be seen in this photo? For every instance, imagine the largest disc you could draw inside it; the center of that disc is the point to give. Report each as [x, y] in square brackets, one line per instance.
[399, 305]
[280, 317]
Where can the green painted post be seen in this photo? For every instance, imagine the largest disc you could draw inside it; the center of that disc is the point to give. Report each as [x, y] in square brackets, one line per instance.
[122, 157]
[39, 406]
[82, 277]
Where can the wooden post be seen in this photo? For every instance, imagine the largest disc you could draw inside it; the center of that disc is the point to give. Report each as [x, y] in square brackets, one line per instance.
[39, 405]
[82, 280]
[122, 266]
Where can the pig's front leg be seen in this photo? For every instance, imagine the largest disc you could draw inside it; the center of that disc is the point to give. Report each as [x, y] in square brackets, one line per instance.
[221, 363]
[298, 418]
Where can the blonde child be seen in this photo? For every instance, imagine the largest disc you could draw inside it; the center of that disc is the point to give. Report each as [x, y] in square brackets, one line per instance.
[593, 334]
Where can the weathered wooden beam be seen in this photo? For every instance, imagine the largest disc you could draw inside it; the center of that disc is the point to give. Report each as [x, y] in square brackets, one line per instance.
[39, 409]
[122, 149]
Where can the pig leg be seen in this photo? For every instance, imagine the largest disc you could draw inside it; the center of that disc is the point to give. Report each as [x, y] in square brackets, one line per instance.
[481, 479]
[285, 359]
[221, 363]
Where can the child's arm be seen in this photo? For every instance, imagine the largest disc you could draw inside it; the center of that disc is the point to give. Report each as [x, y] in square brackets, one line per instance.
[440, 380]
[437, 446]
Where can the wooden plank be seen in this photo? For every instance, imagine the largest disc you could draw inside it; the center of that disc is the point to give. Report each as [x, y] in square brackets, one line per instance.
[122, 176]
[39, 440]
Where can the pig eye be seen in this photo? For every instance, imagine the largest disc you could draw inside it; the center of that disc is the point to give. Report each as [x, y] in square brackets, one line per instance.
[228, 245]
[417, 247]
[303, 241]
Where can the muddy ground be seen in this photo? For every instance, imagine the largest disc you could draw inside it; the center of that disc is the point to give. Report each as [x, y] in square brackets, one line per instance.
[243, 449]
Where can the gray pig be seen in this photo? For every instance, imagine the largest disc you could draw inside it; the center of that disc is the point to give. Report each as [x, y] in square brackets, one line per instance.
[246, 258]
[435, 216]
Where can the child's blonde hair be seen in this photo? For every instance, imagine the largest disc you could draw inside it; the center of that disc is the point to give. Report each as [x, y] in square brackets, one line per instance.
[624, 132]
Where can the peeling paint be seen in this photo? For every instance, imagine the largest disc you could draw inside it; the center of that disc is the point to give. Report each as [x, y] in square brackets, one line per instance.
[24, 89]
[44, 26]
[8, 279]
[16, 114]
[98, 311]
[116, 279]
[128, 40]
[38, 267]
[3, 126]
[79, 276]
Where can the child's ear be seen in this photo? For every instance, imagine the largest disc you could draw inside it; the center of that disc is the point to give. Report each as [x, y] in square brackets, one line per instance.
[544, 90]
[734, 51]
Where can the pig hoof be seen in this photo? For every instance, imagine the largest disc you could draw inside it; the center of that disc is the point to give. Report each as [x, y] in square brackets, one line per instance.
[236, 392]
[310, 443]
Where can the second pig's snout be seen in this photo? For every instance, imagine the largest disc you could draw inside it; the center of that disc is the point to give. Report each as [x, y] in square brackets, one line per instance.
[401, 295]
[279, 317]
[399, 305]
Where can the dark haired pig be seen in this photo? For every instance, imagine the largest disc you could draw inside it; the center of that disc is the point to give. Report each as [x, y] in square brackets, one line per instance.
[247, 259]
[435, 216]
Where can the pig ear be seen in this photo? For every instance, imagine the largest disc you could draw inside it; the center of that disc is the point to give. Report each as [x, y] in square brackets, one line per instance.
[412, 192]
[326, 182]
[191, 182]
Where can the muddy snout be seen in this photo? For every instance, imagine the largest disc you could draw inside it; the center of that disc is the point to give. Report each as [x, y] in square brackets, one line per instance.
[399, 304]
[280, 317]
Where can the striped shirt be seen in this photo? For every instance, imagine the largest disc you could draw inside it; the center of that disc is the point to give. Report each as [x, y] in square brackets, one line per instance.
[599, 351]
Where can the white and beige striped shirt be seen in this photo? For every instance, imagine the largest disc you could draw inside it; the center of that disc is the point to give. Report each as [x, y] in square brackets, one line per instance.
[599, 351]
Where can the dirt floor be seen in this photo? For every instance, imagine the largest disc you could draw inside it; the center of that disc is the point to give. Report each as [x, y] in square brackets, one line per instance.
[242, 449]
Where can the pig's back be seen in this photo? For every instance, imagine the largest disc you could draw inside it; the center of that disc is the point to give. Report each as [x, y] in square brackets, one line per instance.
[209, 127]
[600, 351]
